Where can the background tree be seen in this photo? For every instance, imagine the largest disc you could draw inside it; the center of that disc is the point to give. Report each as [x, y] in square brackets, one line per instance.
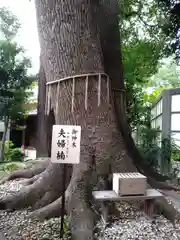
[14, 82]
[171, 26]
[167, 76]
[9, 24]
[144, 44]
[143, 94]
[139, 65]
[13, 86]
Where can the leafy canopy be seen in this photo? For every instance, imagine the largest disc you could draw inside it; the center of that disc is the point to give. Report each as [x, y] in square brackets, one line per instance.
[14, 82]
[144, 44]
[171, 27]
[9, 24]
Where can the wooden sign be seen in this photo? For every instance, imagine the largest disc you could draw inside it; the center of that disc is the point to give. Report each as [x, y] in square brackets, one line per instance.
[66, 144]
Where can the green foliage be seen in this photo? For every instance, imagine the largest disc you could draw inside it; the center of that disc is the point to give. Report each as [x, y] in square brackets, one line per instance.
[66, 225]
[15, 85]
[8, 145]
[166, 149]
[139, 65]
[142, 20]
[15, 155]
[175, 150]
[140, 58]
[158, 20]
[175, 155]
[143, 45]
[14, 80]
[151, 98]
[139, 98]
[148, 146]
[10, 167]
[156, 150]
[168, 75]
[12, 154]
[9, 24]
[171, 26]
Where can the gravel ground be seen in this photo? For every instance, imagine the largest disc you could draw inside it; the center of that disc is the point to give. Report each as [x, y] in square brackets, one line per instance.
[17, 226]
[132, 225]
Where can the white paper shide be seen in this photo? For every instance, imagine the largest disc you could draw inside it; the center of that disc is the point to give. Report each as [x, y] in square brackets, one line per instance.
[66, 144]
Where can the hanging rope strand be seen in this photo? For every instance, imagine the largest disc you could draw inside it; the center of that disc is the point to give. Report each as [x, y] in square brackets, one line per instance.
[86, 93]
[73, 78]
[99, 90]
[57, 102]
[73, 94]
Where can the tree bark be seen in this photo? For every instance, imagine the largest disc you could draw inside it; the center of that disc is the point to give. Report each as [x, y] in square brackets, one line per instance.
[42, 141]
[27, 173]
[48, 181]
[70, 45]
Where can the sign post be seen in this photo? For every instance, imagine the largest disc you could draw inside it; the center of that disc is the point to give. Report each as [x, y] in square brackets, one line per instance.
[63, 201]
[65, 150]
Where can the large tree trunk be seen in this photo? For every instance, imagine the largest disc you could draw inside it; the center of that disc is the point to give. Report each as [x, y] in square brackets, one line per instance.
[70, 44]
[71, 37]
[45, 123]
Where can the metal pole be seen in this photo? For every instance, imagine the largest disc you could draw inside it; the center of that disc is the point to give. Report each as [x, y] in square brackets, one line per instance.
[63, 200]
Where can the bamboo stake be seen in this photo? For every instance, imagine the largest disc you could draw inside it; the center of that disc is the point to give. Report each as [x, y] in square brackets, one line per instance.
[86, 93]
[49, 107]
[99, 90]
[57, 100]
[48, 99]
[108, 100]
[73, 93]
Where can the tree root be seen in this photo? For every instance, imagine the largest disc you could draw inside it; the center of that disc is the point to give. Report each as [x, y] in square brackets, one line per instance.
[27, 196]
[77, 204]
[26, 173]
[53, 209]
[162, 185]
[82, 222]
[48, 198]
[39, 191]
[81, 215]
[26, 182]
[167, 209]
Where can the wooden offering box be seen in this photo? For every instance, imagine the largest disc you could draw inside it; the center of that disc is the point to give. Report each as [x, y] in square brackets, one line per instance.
[129, 184]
